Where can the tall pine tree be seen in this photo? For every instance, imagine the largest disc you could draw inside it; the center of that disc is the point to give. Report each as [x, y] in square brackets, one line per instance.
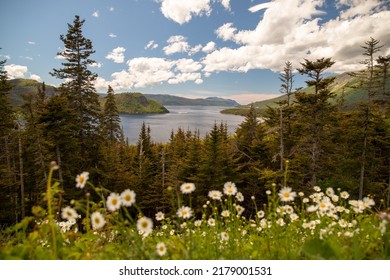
[79, 88]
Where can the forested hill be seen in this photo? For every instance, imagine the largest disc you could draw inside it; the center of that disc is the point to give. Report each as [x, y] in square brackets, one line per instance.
[347, 88]
[127, 103]
[138, 103]
[172, 100]
[22, 87]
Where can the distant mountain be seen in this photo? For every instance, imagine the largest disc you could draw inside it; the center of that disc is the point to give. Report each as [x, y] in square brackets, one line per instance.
[346, 88]
[127, 103]
[136, 103]
[22, 87]
[172, 100]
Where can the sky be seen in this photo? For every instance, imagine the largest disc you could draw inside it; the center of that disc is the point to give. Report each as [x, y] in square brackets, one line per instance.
[192, 48]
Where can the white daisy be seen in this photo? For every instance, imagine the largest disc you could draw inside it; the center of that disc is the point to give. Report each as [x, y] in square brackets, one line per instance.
[128, 197]
[82, 179]
[145, 226]
[211, 222]
[68, 213]
[225, 213]
[161, 249]
[239, 209]
[286, 194]
[239, 197]
[230, 188]
[113, 202]
[198, 223]
[224, 236]
[97, 220]
[260, 214]
[187, 187]
[215, 195]
[344, 195]
[184, 212]
[160, 216]
[329, 192]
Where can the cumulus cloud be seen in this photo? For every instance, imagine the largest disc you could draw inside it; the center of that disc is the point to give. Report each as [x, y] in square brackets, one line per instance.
[117, 55]
[15, 71]
[35, 77]
[95, 14]
[97, 64]
[111, 9]
[182, 11]
[177, 44]
[226, 4]
[31, 43]
[210, 46]
[149, 71]
[112, 35]
[292, 30]
[151, 45]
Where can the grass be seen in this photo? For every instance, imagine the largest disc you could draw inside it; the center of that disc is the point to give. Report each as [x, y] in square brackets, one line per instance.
[320, 224]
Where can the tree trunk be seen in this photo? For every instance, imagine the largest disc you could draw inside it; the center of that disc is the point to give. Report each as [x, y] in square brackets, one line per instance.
[362, 168]
[21, 171]
[281, 141]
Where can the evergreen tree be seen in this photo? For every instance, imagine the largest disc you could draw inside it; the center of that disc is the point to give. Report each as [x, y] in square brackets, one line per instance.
[9, 196]
[372, 84]
[313, 117]
[252, 155]
[79, 89]
[111, 120]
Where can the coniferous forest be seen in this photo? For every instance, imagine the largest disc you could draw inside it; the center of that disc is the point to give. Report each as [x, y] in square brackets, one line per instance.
[303, 142]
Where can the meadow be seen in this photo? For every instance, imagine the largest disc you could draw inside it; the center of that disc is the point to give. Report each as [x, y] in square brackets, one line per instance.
[319, 224]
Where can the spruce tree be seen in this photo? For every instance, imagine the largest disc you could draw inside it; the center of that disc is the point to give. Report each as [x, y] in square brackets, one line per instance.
[79, 88]
[111, 121]
[7, 173]
[313, 116]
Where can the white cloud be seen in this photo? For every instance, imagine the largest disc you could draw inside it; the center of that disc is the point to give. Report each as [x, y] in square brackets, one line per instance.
[95, 14]
[35, 77]
[97, 64]
[111, 9]
[151, 45]
[195, 49]
[117, 55]
[226, 4]
[210, 46]
[186, 65]
[15, 71]
[182, 11]
[58, 56]
[226, 32]
[177, 44]
[292, 30]
[31, 43]
[112, 35]
[149, 71]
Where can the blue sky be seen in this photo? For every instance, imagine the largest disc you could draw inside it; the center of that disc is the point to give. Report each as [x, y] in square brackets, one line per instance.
[193, 48]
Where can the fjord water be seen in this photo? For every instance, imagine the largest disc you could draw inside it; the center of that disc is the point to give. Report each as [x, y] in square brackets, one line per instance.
[185, 117]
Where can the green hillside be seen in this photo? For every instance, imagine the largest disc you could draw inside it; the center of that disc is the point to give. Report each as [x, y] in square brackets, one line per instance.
[22, 87]
[172, 100]
[345, 87]
[137, 103]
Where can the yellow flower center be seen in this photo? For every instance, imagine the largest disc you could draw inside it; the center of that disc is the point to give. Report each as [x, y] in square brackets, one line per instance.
[114, 201]
[286, 195]
[144, 224]
[128, 197]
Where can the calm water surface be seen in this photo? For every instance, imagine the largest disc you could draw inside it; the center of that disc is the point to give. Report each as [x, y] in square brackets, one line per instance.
[185, 117]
